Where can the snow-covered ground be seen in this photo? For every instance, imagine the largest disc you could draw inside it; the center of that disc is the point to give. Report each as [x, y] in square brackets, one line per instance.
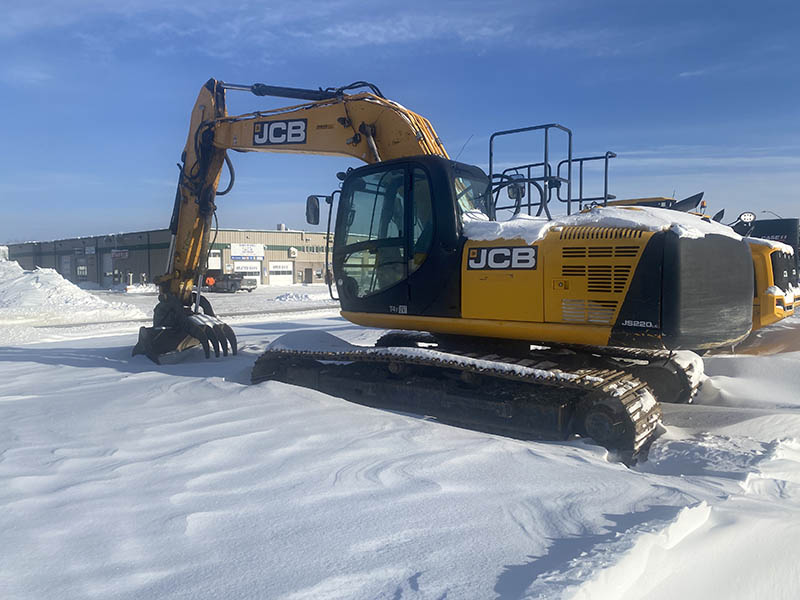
[264, 299]
[123, 479]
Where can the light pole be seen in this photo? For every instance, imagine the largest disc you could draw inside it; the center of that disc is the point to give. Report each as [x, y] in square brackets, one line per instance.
[772, 213]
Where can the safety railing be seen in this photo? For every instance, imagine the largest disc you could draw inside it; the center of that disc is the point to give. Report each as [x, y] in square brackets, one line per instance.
[581, 199]
[543, 183]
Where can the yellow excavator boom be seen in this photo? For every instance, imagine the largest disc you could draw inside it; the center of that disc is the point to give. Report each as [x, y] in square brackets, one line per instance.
[365, 126]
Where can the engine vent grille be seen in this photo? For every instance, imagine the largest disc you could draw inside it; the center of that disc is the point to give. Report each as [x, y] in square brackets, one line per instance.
[599, 251]
[600, 278]
[626, 251]
[599, 233]
[588, 311]
[573, 252]
[573, 270]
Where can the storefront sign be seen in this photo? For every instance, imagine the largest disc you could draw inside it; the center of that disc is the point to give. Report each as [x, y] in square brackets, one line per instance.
[119, 254]
[247, 251]
[246, 267]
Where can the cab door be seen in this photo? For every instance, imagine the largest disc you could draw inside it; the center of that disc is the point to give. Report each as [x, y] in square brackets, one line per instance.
[370, 258]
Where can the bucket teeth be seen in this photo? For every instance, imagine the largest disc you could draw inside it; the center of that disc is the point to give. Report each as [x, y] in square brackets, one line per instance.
[196, 329]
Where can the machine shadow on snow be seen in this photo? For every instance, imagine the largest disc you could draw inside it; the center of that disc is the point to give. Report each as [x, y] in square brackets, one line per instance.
[193, 364]
[119, 357]
[281, 327]
[190, 363]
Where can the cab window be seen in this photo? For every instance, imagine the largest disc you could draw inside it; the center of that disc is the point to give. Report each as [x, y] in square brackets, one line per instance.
[373, 232]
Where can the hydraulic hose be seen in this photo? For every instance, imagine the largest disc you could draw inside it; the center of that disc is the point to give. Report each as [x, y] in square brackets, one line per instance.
[233, 176]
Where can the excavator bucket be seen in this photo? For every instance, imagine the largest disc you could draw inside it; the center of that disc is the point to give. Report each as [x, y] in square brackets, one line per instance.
[177, 328]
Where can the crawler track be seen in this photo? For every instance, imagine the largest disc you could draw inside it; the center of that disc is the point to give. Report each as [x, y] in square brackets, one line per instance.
[674, 377]
[528, 397]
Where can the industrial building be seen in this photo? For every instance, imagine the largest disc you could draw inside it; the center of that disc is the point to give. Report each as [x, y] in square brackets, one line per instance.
[270, 257]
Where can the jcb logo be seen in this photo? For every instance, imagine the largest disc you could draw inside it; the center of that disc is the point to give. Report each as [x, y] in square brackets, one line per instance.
[270, 133]
[512, 257]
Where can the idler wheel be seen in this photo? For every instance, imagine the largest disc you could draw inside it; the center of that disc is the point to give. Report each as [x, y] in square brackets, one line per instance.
[601, 424]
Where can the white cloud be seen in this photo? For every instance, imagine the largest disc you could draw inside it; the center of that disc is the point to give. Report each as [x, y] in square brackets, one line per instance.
[699, 157]
[25, 74]
[694, 163]
[693, 73]
[290, 27]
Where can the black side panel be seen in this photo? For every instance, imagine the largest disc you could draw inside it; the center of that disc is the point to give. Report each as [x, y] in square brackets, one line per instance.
[708, 286]
[639, 322]
[435, 289]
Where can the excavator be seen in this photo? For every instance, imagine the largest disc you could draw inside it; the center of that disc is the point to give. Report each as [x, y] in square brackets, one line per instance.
[534, 327]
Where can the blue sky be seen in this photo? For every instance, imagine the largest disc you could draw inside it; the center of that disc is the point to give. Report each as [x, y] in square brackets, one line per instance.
[692, 96]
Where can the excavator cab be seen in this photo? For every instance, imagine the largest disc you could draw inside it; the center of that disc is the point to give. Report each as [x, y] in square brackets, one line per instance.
[397, 243]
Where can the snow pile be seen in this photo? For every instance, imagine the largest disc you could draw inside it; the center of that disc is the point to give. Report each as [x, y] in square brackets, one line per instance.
[139, 288]
[292, 297]
[757, 382]
[296, 297]
[477, 226]
[312, 339]
[43, 298]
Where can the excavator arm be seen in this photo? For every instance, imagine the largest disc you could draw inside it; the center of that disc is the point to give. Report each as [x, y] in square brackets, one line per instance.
[363, 125]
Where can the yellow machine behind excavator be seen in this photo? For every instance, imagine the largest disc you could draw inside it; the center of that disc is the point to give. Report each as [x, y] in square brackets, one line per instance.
[534, 327]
